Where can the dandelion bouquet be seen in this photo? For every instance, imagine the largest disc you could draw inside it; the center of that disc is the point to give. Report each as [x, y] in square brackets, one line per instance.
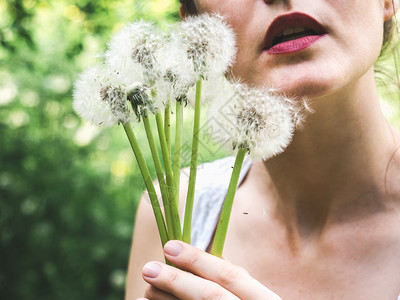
[148, 74]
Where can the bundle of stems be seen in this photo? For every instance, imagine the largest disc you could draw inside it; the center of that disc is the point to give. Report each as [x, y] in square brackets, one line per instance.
[146, 74]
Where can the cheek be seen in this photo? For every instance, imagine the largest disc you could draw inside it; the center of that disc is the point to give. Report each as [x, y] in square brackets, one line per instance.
[246, 68]
[221, 6]
[217, 6]
[249, 21]
[362, 38]
[203, 6]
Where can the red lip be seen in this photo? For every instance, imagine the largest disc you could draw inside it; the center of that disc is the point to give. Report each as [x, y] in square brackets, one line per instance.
[314, 32]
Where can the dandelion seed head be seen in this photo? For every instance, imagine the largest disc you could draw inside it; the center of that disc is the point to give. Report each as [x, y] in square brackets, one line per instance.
[115, 97]
[145, 55]
[132, 51]
[253, 119]
[100, 99]
[209, 43]
[177, 73]
[141, 99]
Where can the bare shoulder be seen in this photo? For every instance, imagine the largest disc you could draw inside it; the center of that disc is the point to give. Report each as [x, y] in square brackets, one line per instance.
[146, 245]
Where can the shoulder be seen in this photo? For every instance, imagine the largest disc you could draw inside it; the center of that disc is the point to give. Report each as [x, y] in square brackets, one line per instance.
[146, 246]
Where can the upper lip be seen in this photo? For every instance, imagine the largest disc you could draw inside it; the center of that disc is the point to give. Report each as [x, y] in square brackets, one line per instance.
[282, 22]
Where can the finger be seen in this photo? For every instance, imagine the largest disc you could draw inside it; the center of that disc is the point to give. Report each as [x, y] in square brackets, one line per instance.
[231, 277]
[181, 284]
[153, 293]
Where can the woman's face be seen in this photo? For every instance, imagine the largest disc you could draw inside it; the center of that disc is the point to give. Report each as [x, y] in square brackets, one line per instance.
[347, 46]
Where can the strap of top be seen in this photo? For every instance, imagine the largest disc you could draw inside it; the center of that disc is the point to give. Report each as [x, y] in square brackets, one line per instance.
[212, 183]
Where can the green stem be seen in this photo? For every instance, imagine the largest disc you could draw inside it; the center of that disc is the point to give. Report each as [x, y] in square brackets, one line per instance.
[167, 123]
[148, 182]
[222, 227]
[176, 167]
[176, 234]
[160, 173]
[187, 227]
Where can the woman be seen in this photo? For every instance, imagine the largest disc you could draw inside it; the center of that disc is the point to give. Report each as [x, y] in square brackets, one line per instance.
[322, 219]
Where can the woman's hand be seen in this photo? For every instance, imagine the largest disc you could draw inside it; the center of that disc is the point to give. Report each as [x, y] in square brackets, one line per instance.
[201, 276]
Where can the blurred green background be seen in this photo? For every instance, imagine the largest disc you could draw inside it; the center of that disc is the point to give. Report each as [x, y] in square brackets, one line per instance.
[68, 191]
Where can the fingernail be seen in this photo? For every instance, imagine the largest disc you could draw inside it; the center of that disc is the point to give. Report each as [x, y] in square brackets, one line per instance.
[151, 270]
[173, 248]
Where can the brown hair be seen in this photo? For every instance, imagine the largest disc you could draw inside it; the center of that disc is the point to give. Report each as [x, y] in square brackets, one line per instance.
[387, 66]
[188, 6]
[389, 30]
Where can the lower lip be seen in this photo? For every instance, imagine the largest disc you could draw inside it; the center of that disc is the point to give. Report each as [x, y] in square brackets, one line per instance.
[294, 45]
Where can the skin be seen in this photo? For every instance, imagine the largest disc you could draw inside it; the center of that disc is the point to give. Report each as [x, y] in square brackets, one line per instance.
[323, 217]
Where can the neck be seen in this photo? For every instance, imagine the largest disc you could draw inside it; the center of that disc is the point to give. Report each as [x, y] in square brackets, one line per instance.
[335, 169]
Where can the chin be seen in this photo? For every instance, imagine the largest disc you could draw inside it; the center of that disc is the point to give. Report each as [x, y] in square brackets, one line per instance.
[298, 82]
[305, 90]
[308, 85]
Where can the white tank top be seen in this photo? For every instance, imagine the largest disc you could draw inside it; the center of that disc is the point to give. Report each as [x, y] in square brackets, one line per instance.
[212, 183]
